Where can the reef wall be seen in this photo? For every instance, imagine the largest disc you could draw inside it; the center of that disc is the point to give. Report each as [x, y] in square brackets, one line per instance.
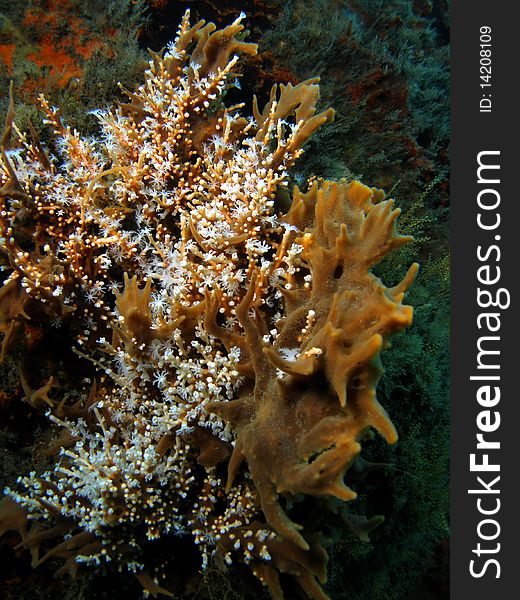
[217, 334]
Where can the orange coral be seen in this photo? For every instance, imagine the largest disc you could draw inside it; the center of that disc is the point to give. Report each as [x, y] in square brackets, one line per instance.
[59, 45]
[241, 337]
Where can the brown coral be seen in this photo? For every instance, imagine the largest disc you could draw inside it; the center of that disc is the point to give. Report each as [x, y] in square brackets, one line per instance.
[241, 337]
[300, 431]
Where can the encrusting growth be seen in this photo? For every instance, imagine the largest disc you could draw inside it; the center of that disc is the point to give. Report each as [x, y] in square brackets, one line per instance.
[222, 333]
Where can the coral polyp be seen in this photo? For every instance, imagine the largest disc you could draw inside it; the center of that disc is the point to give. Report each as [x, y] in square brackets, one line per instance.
[233, 345]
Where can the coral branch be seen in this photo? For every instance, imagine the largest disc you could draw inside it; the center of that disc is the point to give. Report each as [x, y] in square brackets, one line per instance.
[202, 329]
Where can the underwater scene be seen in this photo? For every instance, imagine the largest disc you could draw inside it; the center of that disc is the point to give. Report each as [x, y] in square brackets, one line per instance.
[224, 299]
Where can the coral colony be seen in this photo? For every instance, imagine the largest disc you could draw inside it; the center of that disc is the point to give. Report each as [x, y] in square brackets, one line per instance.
[234, 346]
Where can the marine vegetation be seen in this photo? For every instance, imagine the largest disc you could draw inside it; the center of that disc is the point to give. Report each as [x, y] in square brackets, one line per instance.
[72, 51]
[388, 82]
[225, 331]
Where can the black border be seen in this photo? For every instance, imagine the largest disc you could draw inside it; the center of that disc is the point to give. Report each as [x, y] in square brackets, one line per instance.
[473, 132]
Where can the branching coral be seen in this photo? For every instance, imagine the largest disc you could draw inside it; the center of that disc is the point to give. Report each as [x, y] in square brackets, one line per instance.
[221, 332]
